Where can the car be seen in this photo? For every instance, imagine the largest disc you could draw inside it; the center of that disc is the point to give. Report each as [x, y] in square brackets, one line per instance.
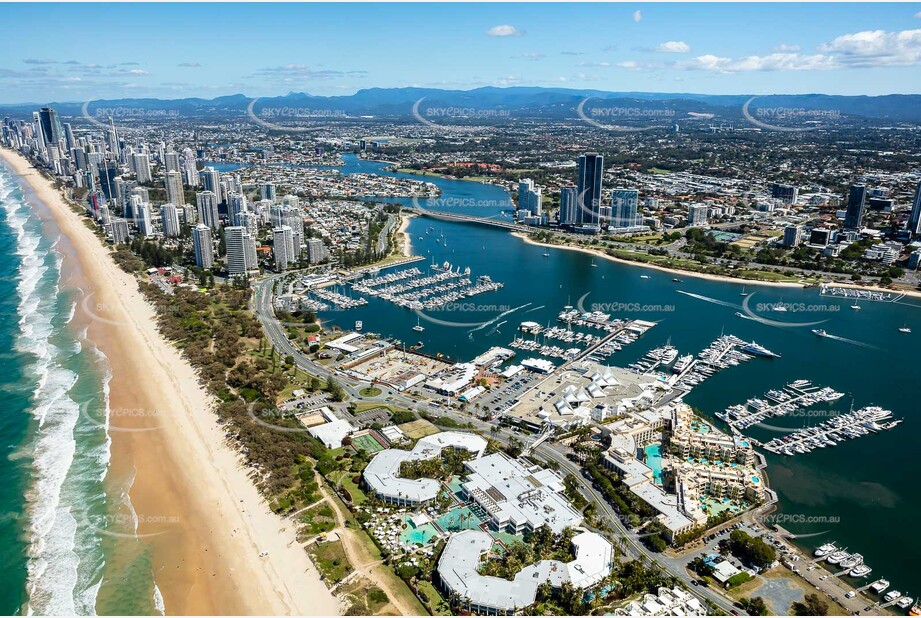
[694, 582]
[850, 595]
[823, 578]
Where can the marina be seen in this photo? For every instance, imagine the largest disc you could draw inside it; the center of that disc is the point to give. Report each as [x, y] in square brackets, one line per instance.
[833, 431]
[408, 288]
[777, 402]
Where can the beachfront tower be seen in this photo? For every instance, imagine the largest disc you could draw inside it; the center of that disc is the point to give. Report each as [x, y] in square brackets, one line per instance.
[204, 250]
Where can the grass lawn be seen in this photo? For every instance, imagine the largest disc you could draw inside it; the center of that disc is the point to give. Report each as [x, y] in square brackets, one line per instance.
[344, 478]
[364, 406]
[371, 391]
[436, 604]
[318, 520]
[330, 560]
[418, 428]
[365, 599]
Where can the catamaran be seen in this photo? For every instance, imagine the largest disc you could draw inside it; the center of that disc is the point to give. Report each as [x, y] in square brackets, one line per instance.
[879, 585]
[418, 327]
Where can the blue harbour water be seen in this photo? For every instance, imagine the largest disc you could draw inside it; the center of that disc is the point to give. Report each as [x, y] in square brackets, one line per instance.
[862, 493]
[54, 540]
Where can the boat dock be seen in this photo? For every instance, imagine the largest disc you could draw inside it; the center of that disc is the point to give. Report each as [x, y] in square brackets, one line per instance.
[835, 430]
[778, 402]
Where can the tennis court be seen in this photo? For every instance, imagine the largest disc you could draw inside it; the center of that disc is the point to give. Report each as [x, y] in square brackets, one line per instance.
[367, 443]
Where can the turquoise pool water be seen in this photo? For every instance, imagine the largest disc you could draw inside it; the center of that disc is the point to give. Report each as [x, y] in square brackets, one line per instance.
[455, 520]
[654, 461]
[715, 506]
[455, 486]
[421, 535]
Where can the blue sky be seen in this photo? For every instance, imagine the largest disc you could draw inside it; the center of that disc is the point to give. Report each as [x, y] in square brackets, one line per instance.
[57, 52]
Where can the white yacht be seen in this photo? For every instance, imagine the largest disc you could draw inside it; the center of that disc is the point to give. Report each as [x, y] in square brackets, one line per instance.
[838, 556]
[879, 585]
[826, 549]
[851, 561]
[905, 329]
[905, 602]
[861, 570]
[892, 596]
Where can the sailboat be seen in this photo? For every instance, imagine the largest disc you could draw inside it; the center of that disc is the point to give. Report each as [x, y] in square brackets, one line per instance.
[905, 329]
[593, 263]
[743, 292]
[855, 306]
[418, 327]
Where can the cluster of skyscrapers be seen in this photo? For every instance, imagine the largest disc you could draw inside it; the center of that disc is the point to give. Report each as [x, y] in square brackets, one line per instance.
[119, 175]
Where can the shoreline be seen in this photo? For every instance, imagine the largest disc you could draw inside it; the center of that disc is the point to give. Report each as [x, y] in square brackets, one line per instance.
[406, 245]
[723, 278]
[205, 520]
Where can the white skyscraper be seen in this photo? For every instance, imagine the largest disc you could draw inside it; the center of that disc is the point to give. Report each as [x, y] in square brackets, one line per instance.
[140, 163]
[142, 220]
[204, 250]
[206, 201]
[174, 193]
[283, 247]
[190, 168]
[236, 205]
[316, 250]
[241, 250]
[697, 215]
[169, 218]
[211, 181]
[171, 161]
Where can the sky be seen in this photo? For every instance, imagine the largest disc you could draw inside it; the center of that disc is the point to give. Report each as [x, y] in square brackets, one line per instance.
[81, 52]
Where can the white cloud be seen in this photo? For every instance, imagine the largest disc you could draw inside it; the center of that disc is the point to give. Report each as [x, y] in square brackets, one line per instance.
[594, 64]
[138, 72]
[875, 48]
[637, 16]
[783, 47]
[674, 47]
[771, 62]
[504, 30]
[530, 56]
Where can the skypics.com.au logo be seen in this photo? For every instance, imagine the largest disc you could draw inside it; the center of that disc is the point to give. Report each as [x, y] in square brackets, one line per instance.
[610, 117]
[790, 119]
[288, 119]
[455, 117]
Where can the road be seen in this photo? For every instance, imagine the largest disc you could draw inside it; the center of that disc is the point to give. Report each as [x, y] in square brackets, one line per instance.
[261, 304]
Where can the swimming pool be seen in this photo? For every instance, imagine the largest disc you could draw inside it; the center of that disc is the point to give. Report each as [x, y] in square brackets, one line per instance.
[455, 520]
[654, 461]
[417, 535]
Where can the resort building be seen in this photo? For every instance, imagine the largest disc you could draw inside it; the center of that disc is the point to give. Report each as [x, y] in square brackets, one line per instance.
[382, 474]
[707, 466]
[668, 602]
[458, 572]
[517, 498]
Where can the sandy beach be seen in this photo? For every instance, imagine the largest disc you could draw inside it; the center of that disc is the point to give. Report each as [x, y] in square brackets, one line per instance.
[406, 246]
[202, 516]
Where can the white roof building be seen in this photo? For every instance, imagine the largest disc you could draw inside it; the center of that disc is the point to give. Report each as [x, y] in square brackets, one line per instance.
[458, 569]
[382, 473]
[332, 433]
[517, 498]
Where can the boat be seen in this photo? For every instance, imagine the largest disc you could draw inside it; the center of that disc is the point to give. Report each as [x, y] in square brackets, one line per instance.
[915, 610]
[594, 265]
[779, 307]
[676, 280]
[644, 276]
[826, 549]
[905, 602]
[855, 306]
[905, 329]
[838, 556]
[820, 332]
[851, 561]
[358, 326]
[879, 585]
[861, 570]
[892, 596]
[743, 292]
[418, 327]
[546, 255]
[759, 350]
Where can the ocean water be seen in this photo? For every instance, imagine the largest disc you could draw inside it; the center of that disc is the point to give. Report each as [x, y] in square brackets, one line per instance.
[861, 494]
[61, 534]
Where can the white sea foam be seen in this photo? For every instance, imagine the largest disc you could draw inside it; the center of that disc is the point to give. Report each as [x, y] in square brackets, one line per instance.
[63, 577]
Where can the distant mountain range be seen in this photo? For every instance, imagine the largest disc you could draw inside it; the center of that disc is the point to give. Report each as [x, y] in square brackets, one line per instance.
[522, 102]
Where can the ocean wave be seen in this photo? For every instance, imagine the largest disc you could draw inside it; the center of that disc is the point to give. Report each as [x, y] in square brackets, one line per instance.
[63, 574]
